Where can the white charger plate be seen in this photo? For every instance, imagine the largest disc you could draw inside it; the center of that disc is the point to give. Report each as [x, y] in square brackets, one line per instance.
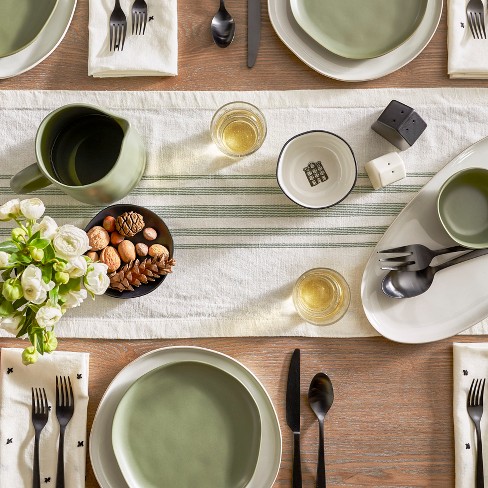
[339, 68]
[102, 455]
[43, 45]
[458, 297]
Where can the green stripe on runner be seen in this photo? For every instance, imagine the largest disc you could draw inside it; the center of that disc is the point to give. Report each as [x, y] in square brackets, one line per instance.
[217, 231]
[277, 245]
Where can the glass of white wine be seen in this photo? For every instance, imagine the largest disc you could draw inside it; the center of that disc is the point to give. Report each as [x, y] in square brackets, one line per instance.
[321, 296]
[238, 129]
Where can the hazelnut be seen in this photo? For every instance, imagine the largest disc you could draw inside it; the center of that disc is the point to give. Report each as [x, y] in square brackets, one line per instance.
[116, 238]
[149, 234]
[127, 251]
[109, 223]
[93, 256]
[111, 258]
[98, 238]
[158, 250]
[141, 249]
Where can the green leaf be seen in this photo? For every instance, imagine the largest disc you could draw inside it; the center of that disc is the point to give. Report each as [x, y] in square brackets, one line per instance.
[35, 236]
[8, 246]
[19, 303]
[49, 254]
[23, 327]
[6, 274]
[19, 258]
[40, 243]
[6, 309]
[74, 284]
[47, 273]
[53, 295]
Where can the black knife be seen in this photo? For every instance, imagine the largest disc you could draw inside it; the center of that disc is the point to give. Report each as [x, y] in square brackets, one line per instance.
[293, 414]
[253, 30]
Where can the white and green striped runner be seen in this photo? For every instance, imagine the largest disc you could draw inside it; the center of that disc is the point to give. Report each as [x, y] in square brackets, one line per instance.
[239, 242]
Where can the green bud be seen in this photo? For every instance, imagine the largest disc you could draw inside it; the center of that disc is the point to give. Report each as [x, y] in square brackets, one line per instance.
[59, 266]
[18, 234]
[50, 341]
[61, 278]
[29, 355]
[12, 290]
[36, 254]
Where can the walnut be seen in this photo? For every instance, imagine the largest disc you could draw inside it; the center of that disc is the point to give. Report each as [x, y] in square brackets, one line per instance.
[149, 234]
[98, 238]
[127, 251]
[109, 223]
[141, 249]
[93, 256]
[158, 250]
[116, 238]
[111, 258]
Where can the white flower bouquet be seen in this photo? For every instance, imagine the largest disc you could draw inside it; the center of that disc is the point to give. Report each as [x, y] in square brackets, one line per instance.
[43, 273]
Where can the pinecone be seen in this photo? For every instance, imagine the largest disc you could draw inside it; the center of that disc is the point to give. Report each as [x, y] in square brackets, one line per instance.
[137, 273]
[129, 224]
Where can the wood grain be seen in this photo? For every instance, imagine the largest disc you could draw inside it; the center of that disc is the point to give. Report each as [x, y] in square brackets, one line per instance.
[391, 422]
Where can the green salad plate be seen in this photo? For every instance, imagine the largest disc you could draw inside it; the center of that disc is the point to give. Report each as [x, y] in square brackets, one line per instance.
[187, 424]
[358, 29]
[21, 21]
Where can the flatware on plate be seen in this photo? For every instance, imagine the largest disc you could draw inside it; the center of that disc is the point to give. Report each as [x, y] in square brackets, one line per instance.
[475, 15]
[474, 405]
[65, 406]
[253, 30]
[40, 415]
[320, 398]
[139, 17]
[414, 257]
[293, 414]
[118, 28]
[408, 284]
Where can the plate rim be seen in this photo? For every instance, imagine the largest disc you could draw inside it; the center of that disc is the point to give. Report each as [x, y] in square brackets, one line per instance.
[435, 182]
[130, 480]
[156, 352]
[297, 45]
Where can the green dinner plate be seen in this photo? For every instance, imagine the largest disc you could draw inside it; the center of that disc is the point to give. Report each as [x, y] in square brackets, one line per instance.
[187, 425]
[21, 21]
[358, 29]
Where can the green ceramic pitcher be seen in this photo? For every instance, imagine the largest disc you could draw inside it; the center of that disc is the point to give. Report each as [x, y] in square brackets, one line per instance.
[90, 154]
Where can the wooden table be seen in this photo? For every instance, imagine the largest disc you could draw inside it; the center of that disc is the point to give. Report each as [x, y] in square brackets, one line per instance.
[391, 423]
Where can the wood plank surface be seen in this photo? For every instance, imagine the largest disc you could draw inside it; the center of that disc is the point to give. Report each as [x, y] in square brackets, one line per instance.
[391, 422]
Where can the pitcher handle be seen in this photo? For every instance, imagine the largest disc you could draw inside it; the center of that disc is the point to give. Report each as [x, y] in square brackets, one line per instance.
[29, 180]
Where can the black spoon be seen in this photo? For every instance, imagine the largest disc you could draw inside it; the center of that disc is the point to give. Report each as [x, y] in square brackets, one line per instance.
[223, 27]
[320, 398]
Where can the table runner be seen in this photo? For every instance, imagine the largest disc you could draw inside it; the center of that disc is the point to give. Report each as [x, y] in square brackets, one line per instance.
[240, 244]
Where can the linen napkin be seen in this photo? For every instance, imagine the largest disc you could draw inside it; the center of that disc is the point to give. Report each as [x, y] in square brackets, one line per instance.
[467, 57]
[153, 54]
[16, 430]
[469, 361]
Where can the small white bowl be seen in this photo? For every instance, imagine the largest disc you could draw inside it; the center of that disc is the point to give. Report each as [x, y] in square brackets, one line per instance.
[316, 169]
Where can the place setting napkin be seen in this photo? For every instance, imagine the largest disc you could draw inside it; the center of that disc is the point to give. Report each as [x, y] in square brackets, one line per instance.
[467, 57]
[470, 361]
[153, 54]
[17, 431]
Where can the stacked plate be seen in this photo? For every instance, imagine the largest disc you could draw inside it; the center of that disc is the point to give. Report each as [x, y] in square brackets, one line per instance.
[185, 416]
[351, 40]
[30, 32]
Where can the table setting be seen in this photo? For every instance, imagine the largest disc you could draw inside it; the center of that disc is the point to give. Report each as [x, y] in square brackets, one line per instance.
[253, 257]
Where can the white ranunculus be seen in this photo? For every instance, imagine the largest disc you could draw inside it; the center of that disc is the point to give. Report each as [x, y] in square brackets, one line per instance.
[70, 242]
[10, 209]
[76, 267]
[75, 298]
[96, 279]
[48, 315]
[4, 256]
[33, 286]
[47, 227]
[32, 208]
[10, 324]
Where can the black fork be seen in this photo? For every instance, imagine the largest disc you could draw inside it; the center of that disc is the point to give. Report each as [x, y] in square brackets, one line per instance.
[118, 28]
[40, 415]
[65, 406]
[474, 405]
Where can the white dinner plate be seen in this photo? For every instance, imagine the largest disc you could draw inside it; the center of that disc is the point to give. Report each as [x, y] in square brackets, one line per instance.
[458, 297]
[102, 455]
[339, 68]
[43, 45]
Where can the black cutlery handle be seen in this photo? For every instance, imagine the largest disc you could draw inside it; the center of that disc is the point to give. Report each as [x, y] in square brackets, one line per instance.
[36, 481]
[297, 465]
[60, 471]
[320, 483]
[480, 477]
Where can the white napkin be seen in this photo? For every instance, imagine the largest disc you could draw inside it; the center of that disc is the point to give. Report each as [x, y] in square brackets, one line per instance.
[470, 361]
[467, 57]
[16, 430]
[153, 54]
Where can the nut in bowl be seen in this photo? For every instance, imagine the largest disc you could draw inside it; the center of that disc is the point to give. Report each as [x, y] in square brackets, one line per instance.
[136, 245]
[316, 169]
